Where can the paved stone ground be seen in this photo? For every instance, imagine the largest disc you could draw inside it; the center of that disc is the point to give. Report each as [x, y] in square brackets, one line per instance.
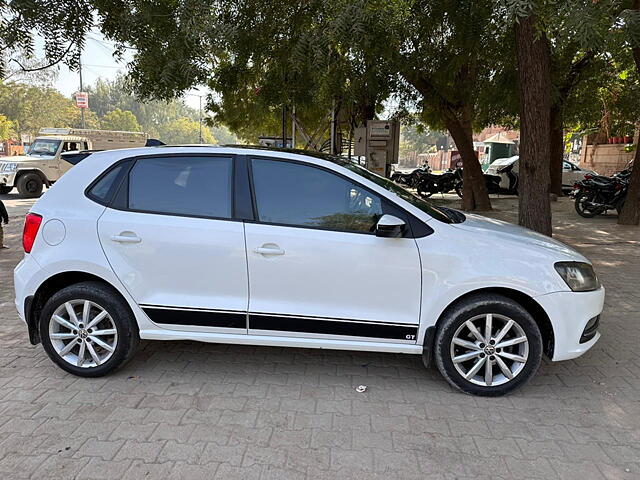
[189, 410]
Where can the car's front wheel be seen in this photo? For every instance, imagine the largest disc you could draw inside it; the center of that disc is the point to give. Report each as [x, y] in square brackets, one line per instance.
[488, 345]
[88, 329]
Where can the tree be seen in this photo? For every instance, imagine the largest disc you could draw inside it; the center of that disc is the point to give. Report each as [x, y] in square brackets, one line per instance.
[630, 214]
[32, 108]
[151, 115]
[62, 24]
[534, 82]
[184, 130]
[327, 54]
[120, 120]
[7, 128]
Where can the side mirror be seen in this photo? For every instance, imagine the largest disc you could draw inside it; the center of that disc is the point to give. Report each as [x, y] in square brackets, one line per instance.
[390, 227]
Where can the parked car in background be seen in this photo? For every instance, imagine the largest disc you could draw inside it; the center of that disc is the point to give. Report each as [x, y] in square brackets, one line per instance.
[284, 248]
[571, 173]
[45, 161]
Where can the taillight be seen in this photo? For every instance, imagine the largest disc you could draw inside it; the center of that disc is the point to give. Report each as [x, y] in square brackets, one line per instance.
[588, 176]
[31, 226]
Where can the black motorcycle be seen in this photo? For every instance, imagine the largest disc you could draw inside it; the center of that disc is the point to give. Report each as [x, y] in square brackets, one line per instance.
[596, 194]
[430, 183]
[410, 179]
[493, 182]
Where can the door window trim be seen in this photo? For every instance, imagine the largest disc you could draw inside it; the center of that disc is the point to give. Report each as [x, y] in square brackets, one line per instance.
[388, 207]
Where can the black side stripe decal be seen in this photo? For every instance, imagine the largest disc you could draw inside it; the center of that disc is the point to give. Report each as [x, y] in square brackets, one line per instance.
[197, 318]
[330, 327]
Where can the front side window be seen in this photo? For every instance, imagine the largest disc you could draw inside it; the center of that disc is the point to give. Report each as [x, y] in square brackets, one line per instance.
[197, 186]
[301, 195]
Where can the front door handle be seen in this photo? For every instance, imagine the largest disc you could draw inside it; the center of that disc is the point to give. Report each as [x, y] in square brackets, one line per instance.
[269, 249]
[126, 237]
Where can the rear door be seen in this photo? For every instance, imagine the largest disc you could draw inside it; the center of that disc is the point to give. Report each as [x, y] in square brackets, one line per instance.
[172, 239]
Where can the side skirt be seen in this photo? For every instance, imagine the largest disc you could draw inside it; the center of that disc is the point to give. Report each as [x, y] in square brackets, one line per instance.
[276, 341]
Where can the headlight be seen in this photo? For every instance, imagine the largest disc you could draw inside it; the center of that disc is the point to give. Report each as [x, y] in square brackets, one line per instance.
[8, 167]
[579, 276]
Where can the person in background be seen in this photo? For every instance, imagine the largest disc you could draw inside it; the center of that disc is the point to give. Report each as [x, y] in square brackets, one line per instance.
[4, 219]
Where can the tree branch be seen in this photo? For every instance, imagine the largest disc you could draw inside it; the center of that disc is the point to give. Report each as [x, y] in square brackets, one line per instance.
[571, 80]
[36, 69]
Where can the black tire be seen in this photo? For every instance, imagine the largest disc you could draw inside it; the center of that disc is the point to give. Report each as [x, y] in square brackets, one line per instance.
[480, 305]
[111, 301]
[30, 185]
[4, 189]
[580, 199]
[458, 189]
[620, 206]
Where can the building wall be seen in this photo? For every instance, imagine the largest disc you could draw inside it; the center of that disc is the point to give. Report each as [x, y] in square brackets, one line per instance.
[606, 159]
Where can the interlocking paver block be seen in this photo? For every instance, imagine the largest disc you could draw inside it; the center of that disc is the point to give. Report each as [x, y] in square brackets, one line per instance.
[195, 410]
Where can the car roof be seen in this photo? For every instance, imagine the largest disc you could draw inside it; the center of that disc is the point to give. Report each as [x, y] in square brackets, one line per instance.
[290, 153]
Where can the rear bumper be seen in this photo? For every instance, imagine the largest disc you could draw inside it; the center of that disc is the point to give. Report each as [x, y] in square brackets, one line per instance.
[570, 312]
[27, 276]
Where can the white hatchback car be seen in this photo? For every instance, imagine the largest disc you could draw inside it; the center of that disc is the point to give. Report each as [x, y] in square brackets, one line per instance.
[283, 248]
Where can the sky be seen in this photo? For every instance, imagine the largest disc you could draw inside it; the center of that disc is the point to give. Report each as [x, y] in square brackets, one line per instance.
[98, 62]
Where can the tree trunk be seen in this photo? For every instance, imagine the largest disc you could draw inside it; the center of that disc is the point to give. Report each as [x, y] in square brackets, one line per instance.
[474, 195]
[630, 214]
[556, 142]
[534, 85]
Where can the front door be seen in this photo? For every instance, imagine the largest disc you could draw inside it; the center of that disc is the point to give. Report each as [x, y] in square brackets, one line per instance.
[316, 268]
[175, 246]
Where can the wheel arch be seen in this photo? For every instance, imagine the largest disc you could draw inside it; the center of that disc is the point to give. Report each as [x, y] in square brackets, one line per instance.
[35, 303]
[528, 303]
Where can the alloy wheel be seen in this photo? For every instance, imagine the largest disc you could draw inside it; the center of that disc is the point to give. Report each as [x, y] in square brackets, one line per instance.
[83, 333]
[489, 349]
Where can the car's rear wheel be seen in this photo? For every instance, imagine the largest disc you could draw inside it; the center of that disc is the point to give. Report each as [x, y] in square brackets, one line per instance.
[88, 330]
[488, 345]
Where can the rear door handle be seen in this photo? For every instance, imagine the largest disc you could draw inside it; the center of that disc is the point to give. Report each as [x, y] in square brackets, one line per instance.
[126, 237]
[272, 250]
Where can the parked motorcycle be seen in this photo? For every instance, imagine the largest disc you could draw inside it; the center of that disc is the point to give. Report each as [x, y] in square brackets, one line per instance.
[430, 183]
[596, 194]
[410, 179]
[493, 182]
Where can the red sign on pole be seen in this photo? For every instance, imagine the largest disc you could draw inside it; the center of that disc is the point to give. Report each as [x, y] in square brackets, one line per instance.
[82, 100]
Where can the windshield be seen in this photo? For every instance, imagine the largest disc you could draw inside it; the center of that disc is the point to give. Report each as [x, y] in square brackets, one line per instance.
[442, 214]
[44, 147]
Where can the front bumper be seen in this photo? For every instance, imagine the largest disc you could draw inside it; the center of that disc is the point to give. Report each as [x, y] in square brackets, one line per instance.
[570, 312]
[7, 179]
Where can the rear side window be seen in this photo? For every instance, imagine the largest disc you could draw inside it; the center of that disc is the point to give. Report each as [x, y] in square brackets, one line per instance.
[300, 195]
[196, 186]
[103, 190]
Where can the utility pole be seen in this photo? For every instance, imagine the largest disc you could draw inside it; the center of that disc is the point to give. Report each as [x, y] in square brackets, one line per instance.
[81, 89]
[293, 127]
[333, 128]
[200, 117]
[284, 126]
